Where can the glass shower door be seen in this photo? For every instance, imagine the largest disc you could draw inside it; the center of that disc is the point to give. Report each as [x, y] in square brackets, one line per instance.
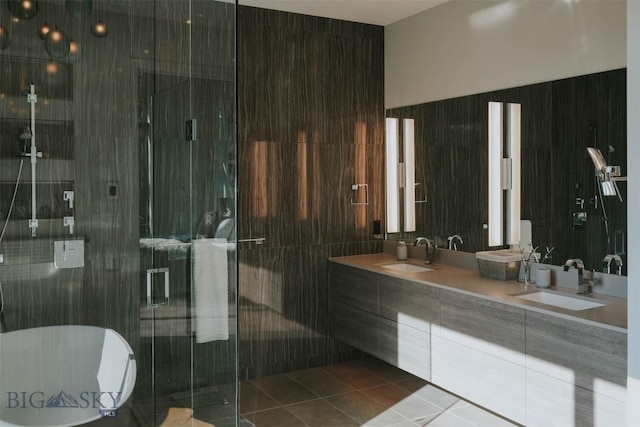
[187, 292]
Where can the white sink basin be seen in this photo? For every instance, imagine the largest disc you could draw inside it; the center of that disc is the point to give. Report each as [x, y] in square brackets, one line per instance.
[407, 268]
[560, 300]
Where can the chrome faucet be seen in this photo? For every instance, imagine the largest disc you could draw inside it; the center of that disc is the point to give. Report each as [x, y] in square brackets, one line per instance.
[430, 248]
[606, 262]
[585, 286]
[452, 243]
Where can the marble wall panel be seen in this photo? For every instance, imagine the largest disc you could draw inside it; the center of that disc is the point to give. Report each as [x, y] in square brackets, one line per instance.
[310, 125]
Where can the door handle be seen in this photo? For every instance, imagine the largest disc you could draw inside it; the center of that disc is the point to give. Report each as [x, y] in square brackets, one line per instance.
[150, 273]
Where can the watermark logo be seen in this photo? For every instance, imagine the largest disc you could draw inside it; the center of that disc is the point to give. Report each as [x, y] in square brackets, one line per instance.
[103, 401]
[62, 400]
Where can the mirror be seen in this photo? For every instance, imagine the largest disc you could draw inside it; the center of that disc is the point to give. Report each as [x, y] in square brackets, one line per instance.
[561, 189]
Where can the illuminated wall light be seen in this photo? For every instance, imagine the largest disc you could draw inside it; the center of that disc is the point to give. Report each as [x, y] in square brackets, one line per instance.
[360, 140]
[408, 144]
[495, 172]
[504, 173]
[513, 196]
[391, 171]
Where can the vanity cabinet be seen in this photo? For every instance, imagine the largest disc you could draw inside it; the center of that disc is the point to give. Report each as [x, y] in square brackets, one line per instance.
[354, 307]
[534, 368]
[480, 353]
[389, 318]
[354, 287]
[409, 315]
[576, 373]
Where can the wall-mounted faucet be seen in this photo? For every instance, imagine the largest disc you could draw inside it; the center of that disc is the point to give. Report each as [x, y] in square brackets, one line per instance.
[452, 243]
[430, 247]
[585, 285]
[606, 262]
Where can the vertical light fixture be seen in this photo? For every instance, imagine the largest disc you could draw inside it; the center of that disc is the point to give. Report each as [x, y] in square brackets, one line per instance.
[513, 195]
[495, 172]
[391, 170]
[504, 173]
[408, 147]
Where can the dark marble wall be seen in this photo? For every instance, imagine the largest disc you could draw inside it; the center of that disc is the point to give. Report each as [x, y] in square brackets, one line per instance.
[559, 120]
[311, 124]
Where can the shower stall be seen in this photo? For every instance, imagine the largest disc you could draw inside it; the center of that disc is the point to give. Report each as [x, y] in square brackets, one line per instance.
[126, 227]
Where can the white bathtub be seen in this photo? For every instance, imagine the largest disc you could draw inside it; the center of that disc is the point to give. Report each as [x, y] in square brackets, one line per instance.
[63, 375]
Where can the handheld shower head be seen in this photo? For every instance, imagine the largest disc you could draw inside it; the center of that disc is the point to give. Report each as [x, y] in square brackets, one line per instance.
[25, 135]
[604, 173]
[598, 160]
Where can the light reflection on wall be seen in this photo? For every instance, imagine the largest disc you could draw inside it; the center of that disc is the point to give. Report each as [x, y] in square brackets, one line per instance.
[259, 188]
[303, 200]
[360, 173]
[315, 178]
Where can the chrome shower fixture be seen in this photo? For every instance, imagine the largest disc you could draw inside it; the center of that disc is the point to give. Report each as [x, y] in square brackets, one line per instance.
[25, 135]
[607, 175]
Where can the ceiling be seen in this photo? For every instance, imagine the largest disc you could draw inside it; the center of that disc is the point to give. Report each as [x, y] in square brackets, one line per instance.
[377, 12]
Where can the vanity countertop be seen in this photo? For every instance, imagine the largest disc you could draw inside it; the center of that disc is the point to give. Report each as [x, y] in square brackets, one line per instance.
[613, 315]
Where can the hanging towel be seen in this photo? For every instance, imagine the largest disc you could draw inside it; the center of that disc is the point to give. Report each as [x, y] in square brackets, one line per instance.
[211, 289]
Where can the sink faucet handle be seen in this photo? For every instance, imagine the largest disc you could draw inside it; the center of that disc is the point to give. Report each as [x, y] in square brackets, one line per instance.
[574, 262]
[452, 241]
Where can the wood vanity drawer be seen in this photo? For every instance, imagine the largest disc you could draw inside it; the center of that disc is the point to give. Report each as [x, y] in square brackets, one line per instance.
[491, 327]
[355, 327]
[355, 287]
[409, 303]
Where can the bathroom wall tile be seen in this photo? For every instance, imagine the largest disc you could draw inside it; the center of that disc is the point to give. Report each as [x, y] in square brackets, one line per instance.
[308, 96]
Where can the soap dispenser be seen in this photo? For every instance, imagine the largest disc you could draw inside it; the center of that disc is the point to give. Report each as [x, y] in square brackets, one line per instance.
[401, 250]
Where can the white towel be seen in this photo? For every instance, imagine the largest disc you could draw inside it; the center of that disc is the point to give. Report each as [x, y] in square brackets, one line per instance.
[211, 290]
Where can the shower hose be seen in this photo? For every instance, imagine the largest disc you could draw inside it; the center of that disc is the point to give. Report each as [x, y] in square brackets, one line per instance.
[3, 326]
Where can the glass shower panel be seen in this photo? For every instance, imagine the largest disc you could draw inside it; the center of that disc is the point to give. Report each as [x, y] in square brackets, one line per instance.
[119, 256]
[187, 222]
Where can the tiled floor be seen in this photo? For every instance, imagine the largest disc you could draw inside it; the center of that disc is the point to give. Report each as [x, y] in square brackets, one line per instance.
[362, 393]
[367, 392]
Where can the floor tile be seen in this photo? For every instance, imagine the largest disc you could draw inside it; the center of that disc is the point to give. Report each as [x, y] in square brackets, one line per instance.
[253, 399]
[319, 413]
[284, 389]
[214, 413]
[404, 424]
[231, 422]
[366, 410]
[387, 394]
[384, 370]
[447, 419]
[355, 375]
[412, 384]
[433, 394]
[321, 382]
[416, 409]
[479, 416]
[277, 417]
